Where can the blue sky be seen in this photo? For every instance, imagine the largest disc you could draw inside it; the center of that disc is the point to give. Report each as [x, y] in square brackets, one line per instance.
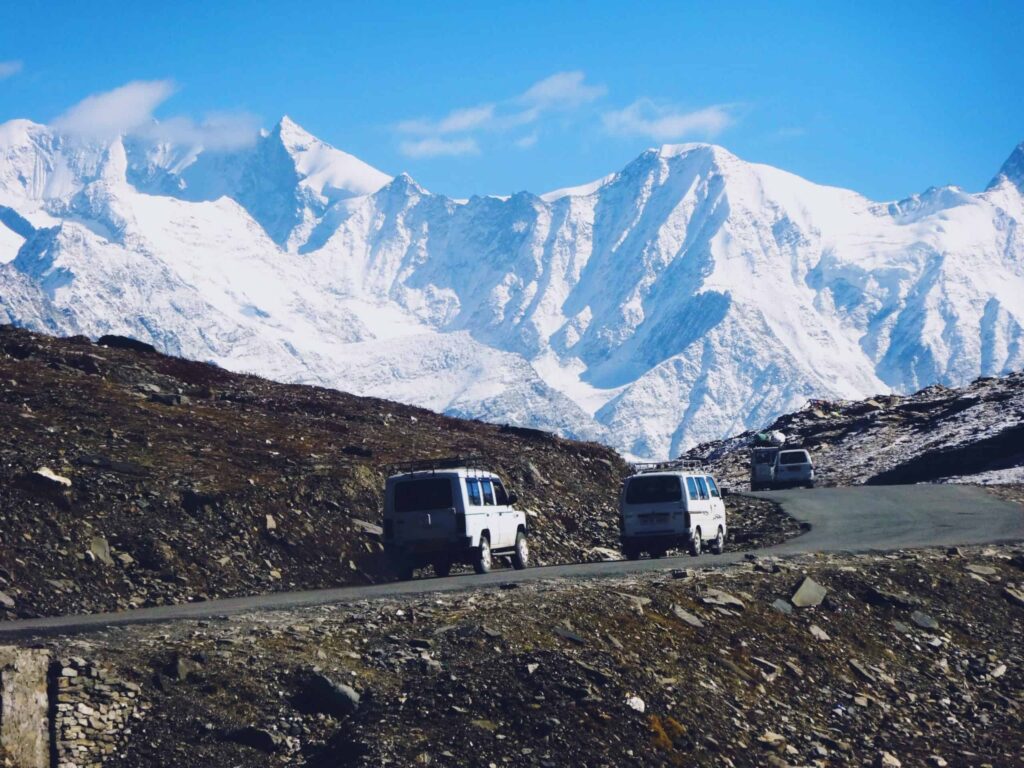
[473, 98]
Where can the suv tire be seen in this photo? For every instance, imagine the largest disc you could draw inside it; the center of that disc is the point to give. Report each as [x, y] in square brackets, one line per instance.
[521, 555]
[443, 567]
[405, 571]
[696, 545]
[631, 551]
[482, 560]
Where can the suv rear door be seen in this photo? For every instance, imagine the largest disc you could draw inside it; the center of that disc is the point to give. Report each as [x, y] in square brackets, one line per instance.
[424, 509]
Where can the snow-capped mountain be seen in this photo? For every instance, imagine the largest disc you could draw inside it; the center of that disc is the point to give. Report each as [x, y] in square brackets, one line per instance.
[689, 296]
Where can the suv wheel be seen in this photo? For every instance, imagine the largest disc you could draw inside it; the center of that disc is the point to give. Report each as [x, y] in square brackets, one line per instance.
[696, 545]
[482, 561]
[718, 545]
[405, 571]
[631, 551]
[521, 556]
[443, 567]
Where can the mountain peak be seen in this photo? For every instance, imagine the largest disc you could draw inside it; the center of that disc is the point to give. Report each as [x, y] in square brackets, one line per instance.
[1012, 170]
[292, 134]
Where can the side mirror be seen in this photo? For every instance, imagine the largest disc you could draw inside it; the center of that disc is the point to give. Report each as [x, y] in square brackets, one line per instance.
[512, 499]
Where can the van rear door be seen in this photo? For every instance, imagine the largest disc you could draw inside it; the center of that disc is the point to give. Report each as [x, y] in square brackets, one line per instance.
[652, 505]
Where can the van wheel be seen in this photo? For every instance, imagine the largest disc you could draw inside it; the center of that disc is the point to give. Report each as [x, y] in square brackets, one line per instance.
[482, 561]
[696, 544]
[443, 567]
[405, 572]
[718, 545]
[631, 551]
[521, 556]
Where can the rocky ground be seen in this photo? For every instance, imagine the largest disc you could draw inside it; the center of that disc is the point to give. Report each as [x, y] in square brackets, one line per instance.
[972, 434]
[130, 478]
[911, 658]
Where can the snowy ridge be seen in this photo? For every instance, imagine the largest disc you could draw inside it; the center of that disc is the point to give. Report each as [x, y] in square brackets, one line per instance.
[688, 296]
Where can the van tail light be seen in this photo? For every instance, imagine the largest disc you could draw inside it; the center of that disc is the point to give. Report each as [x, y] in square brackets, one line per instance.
[460, 522]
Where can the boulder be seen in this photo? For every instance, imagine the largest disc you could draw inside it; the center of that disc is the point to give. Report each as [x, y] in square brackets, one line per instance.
[257, 738]
[809, 594]
[324, 695]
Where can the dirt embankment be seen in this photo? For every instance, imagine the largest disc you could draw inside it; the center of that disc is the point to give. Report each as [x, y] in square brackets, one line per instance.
[912, 657]
[174, 480]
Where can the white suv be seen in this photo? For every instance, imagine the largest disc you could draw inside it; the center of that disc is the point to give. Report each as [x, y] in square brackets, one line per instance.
[438, 514]
[663, 508]
[793, 466]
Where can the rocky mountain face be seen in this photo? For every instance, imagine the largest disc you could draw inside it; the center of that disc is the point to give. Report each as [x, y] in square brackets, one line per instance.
[969, 434]
[130, 478]
[689, 296]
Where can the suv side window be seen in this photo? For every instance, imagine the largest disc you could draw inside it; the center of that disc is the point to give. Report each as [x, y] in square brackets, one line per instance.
[488, 493]
[691, 488]
[499, 493]
[703, 486]
[473, 493]
[713, 487]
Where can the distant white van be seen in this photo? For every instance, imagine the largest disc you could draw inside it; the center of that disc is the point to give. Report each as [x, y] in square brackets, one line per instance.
[448, 511]
[662, 508]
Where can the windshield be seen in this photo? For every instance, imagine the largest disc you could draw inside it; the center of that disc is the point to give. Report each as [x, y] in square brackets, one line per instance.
[654, 489]
[429, 493]
[794, 457]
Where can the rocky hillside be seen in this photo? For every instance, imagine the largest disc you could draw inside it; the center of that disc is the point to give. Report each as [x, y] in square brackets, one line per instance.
[910, 659]
[968, 434]
[130, 478]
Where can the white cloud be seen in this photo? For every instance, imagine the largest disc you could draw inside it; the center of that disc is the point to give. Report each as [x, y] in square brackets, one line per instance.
[665, 123]
[122, 110]
[128, 110]
[9, 68]
[562, 90]
[527, 141]
[217, 131]
[457, 121]
[434, 146]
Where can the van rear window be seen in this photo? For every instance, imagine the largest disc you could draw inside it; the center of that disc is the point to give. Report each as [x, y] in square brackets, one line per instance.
[794, 457]
[653, 490]
[429, 493]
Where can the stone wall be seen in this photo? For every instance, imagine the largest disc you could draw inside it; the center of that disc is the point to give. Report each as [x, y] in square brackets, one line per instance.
[24, 708]
[93, 713]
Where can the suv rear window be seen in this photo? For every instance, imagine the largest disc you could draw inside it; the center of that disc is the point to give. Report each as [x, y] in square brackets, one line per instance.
[429, 493]
[794, 457]
[653, 490]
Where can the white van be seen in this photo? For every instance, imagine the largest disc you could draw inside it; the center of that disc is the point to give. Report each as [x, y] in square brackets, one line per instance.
[437, 514]
[663, 508]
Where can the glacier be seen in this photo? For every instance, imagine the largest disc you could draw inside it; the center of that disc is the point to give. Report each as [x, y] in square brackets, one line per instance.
[689, 296]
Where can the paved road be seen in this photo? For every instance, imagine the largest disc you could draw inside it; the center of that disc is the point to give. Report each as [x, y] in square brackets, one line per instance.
[853, 519]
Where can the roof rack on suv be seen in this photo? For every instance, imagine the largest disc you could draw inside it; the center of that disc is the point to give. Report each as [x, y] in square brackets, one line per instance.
[432, 465]
[676, 465]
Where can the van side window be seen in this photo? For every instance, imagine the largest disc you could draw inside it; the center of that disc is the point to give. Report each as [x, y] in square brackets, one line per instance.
[488, 493]
[473, 493]
[691, 488]
[703, 488]
[499, 494]
[713, 487]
